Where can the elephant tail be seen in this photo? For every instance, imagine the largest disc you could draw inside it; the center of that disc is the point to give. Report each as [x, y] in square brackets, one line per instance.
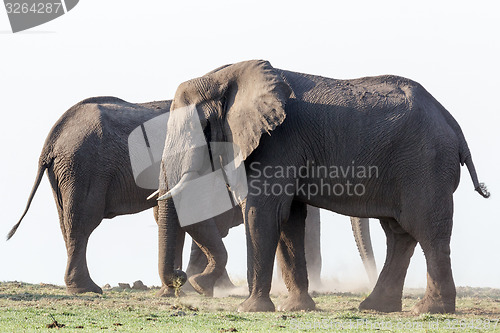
[479, 187]
[464, 153]
[42, 166]
[466, 158]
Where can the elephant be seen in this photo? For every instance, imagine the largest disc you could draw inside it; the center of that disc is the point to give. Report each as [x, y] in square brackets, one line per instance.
[88, 166]
[86, 155]
[374, 147]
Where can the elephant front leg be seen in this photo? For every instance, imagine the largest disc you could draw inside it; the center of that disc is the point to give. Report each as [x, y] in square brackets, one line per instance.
[207, 237]
[387, 294]
[197, 264]
[261, 226]
[291, 256]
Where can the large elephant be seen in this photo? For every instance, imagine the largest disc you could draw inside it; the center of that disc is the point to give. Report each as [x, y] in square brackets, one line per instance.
[378, 147]
[86, 156]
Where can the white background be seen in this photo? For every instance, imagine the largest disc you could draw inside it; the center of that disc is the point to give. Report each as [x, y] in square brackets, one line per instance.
[140, 51]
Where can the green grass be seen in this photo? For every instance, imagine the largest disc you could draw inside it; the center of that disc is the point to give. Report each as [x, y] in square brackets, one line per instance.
[29, 308]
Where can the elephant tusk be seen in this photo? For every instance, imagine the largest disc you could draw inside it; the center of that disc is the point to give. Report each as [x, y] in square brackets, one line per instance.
[176, 189]
[154, 194]
[167, 195]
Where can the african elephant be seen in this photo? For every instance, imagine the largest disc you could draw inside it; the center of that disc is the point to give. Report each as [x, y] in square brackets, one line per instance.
[379, 147]
[87, 161]
[86, 156]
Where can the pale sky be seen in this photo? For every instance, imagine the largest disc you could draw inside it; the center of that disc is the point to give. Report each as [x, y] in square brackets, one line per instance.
[140, 51]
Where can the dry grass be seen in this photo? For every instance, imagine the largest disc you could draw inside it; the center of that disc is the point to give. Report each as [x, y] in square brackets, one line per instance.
[27, 307]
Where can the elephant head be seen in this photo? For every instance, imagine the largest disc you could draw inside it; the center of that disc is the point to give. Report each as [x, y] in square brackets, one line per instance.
[236, 104]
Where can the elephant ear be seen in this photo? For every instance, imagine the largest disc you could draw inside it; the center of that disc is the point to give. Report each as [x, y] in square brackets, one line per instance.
[255, 97]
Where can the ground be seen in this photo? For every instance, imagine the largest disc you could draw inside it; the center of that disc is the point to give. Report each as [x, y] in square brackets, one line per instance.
[28, 307]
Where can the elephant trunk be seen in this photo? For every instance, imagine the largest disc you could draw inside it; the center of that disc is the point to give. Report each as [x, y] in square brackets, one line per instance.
[361, 231]
[168, 245]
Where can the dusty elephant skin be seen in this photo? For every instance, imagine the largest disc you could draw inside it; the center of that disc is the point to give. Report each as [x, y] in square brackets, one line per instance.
[283, 119]
[87, 160]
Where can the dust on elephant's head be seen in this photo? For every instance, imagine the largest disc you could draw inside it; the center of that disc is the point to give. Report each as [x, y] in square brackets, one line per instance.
[237, 103]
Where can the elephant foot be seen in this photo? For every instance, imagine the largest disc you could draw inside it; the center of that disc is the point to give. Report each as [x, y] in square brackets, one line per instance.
[166, 291]
[430, 305]
[382, 304]
[202, 284]
[169, 292]
[257, 304]
[74, 288]
[298, 302]
[173, 289]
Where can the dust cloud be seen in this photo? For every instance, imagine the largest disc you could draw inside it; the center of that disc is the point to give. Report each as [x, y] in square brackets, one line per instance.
[328, 285]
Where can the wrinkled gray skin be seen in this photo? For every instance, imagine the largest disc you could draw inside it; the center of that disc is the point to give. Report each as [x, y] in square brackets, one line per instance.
[87, 160]
[280, 118]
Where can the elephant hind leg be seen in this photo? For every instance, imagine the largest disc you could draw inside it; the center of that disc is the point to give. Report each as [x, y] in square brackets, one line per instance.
[432, 228]
[440, 293]
[77, 277]
[77, 224]
[387, 294]
[291, 256]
